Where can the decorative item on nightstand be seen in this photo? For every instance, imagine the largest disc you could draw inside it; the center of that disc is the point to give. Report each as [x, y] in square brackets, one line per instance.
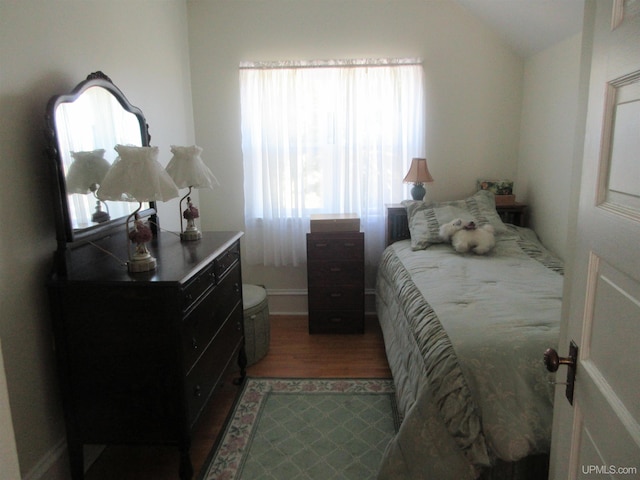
[502, 189]
[137, 176]
[418, 174]
[85, 176]
[188, 170]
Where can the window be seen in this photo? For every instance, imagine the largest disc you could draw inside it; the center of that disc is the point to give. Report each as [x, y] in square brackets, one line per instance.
[325, 137]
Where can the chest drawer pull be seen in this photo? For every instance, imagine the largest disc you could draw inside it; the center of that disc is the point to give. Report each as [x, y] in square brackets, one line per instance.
[194, 343]
[335, 269]
[320, 245]
[349, 244]
[197, 391]
[335, 295]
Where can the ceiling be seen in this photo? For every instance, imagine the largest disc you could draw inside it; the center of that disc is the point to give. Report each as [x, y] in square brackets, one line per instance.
[529, 26]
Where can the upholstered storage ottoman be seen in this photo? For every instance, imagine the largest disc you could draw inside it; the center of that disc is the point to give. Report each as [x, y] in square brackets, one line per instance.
[256, 322]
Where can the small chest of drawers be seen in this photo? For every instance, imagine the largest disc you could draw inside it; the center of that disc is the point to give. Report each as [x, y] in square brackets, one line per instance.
[335, 277]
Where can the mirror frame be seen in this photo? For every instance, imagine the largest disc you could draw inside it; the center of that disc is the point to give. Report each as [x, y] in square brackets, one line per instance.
[65, 233]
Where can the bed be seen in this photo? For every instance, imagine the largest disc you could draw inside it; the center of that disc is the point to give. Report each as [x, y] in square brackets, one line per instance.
[464, 336]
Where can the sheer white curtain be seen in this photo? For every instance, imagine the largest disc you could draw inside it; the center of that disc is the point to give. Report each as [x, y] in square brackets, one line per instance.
[325, 137]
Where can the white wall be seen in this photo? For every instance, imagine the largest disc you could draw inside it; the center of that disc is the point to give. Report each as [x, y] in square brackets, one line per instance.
[8, 451]
[46, 48]
[549, 116]
[473, 91]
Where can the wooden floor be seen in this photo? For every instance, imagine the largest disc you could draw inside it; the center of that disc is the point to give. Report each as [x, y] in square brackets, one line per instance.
[292, 353]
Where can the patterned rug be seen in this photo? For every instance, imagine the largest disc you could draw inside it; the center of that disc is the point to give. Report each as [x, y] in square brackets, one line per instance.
[283, 429]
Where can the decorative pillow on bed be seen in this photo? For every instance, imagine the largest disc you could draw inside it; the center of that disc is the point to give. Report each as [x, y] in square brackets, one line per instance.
[425, 219]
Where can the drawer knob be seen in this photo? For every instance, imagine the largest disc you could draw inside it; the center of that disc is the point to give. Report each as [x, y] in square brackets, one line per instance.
[194, 343]
[197, 391]
[238, 326]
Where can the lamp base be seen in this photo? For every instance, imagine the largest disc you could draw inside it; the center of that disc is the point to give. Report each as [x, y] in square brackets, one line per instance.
[100, 217]
[190, 235]
[418, 191]
[142, 263]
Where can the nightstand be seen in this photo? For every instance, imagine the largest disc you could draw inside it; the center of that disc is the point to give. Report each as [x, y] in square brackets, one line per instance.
[335, 275]
[513, 213]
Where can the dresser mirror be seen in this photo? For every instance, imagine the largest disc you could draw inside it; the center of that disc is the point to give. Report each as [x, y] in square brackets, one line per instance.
[83, 127]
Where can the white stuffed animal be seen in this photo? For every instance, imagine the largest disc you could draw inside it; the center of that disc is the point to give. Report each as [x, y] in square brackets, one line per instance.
[465, 236]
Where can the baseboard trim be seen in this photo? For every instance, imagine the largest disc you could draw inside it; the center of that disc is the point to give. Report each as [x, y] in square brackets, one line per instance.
[293, 301]
[52, 457]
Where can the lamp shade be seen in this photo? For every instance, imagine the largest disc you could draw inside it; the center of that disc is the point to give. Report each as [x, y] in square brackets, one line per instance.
[87, 171]
[188, 170]
[137, 176]
[418, 172]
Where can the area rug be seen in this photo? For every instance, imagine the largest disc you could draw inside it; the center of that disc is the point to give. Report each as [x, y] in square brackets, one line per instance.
[283, 429]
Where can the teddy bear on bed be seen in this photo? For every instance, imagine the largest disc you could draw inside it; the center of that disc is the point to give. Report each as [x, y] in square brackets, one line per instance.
[466, 236]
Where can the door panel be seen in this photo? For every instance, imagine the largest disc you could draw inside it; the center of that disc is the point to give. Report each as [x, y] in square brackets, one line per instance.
[619, 165]
[616, 311]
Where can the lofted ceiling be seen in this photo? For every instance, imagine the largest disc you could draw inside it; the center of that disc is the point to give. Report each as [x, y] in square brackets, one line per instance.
[529, 26]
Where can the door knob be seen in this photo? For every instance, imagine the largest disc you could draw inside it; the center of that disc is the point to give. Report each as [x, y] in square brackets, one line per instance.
[553, 361]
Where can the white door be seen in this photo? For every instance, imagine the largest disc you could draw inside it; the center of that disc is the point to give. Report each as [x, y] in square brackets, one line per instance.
[599, 435]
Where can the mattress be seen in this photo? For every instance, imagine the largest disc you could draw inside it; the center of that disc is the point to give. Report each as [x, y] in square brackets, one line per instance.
[464, 336]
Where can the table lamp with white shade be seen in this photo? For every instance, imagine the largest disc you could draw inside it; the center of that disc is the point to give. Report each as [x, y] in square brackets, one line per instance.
[188, 170]
[85, 176]
[137, 176]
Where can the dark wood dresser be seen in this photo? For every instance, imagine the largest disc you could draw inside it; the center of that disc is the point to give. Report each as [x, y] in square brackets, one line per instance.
[140, 354]
[335, 276]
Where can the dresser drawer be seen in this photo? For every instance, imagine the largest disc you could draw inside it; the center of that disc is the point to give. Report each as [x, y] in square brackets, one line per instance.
[335, 272]
[226, 260]
[199, 328]
[209, 369]
[197, 286]
[331, 246]
[229, 290]
[336, 298]
[206, 319]
[336, 321]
